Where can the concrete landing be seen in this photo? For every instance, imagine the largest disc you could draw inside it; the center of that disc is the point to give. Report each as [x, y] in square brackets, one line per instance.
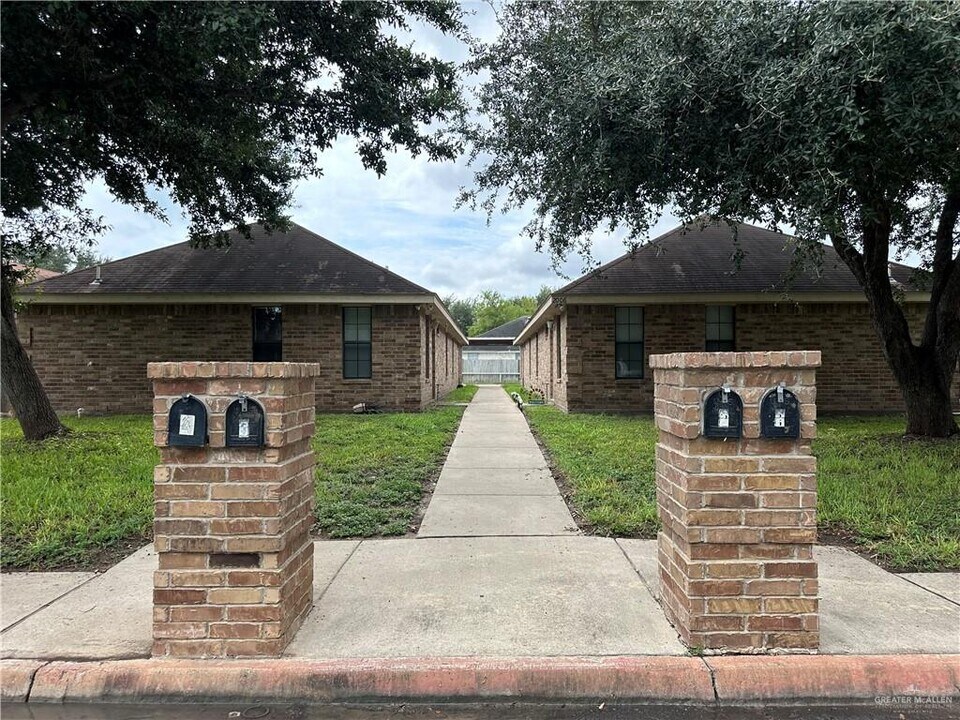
[495, 481]
[108, 617]
[943, 583]
[506, 597]
[486, 596]
[863, 608]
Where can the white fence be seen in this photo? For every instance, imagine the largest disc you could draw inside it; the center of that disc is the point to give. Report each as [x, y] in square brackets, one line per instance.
[490, 366]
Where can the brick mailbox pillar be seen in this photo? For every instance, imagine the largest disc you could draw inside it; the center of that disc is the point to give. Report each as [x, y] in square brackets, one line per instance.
[232, 517]
[738, 515]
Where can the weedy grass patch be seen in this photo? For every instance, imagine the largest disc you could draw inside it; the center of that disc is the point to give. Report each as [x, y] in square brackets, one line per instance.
[462, 394]
[77, 500]
[897, 499]
[372, 469]
[85, 500]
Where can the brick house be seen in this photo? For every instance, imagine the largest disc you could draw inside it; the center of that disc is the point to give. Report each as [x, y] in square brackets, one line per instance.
[587, 346]
[292, 296]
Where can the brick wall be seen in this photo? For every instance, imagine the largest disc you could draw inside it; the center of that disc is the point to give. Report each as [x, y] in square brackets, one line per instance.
[232, 524]
[94, 356]
[735, 549]
[440, 360]
[543, 363]
[854, 377]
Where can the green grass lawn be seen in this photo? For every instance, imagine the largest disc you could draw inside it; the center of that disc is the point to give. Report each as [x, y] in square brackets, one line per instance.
[371, 469]
[897, 499]
[463, 394]
[76, 501]
[85, 500]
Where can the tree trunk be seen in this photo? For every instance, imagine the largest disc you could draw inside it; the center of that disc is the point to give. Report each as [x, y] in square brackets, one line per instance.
[20, 381]
[926, 393]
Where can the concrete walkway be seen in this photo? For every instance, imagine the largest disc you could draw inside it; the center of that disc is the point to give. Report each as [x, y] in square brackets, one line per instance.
[495, 482]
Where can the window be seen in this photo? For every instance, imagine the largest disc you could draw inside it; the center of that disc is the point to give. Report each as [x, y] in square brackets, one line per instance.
[559, 351]
[720, 328]
[356, 342]
[629, 342]
[267, 334]
[426, 345]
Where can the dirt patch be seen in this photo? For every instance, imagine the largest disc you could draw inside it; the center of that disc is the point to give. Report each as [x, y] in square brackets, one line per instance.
[95, 561]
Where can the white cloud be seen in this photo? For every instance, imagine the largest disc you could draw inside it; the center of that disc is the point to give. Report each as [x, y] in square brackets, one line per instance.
[406, 220]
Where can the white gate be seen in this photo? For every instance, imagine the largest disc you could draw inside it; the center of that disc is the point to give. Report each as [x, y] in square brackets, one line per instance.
[490, 366]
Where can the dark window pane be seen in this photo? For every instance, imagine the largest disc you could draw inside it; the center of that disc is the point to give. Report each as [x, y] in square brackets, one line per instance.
[629, 358]
[720, 328]
[267, 334]
[629, 342]
[629, 324]
[720, 346]
[357, 347]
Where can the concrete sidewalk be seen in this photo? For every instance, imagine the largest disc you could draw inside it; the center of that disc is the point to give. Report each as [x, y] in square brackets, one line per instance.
[506, 597]
[495, 481]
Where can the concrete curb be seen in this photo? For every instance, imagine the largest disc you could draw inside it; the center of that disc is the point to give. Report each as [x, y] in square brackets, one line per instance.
[801, 678]
[653, 679]
[16, 677]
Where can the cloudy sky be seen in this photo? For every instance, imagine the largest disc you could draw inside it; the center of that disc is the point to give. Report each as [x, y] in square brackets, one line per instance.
[406, 220]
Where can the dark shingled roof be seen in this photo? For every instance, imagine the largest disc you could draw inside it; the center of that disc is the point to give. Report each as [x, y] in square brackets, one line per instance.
[292, 261]
[507, 330]
[691, 259]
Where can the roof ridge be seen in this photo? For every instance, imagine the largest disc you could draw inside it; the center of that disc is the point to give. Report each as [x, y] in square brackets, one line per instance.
[363, 259]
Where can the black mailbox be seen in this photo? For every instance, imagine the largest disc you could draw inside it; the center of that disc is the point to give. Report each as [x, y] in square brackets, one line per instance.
[722, 414]
[244, 423]
[187, 425]
[779, 414]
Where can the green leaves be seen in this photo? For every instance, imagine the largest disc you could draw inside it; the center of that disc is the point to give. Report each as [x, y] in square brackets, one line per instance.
[224, 105]
[777, 111]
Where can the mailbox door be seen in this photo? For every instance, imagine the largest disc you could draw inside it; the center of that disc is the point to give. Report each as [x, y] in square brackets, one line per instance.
[722, 414]
[244, 423]
[779, 414]
[187, 424]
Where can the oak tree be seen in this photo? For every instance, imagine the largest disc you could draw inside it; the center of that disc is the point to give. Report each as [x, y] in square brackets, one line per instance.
[840, 119]
[221, 105]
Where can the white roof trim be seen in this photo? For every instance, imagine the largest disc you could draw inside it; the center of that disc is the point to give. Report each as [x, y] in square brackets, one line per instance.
[103, 298]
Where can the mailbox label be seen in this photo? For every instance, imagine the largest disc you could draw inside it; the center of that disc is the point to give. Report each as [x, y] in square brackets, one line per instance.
[244, 428]
[723, 418]
[187, 424]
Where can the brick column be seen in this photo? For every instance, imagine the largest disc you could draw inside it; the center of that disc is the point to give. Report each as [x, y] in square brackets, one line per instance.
[737, 572]
[231, 524]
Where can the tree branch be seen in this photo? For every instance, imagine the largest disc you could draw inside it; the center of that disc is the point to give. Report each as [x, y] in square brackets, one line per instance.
[945, 273]
[845, 249]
